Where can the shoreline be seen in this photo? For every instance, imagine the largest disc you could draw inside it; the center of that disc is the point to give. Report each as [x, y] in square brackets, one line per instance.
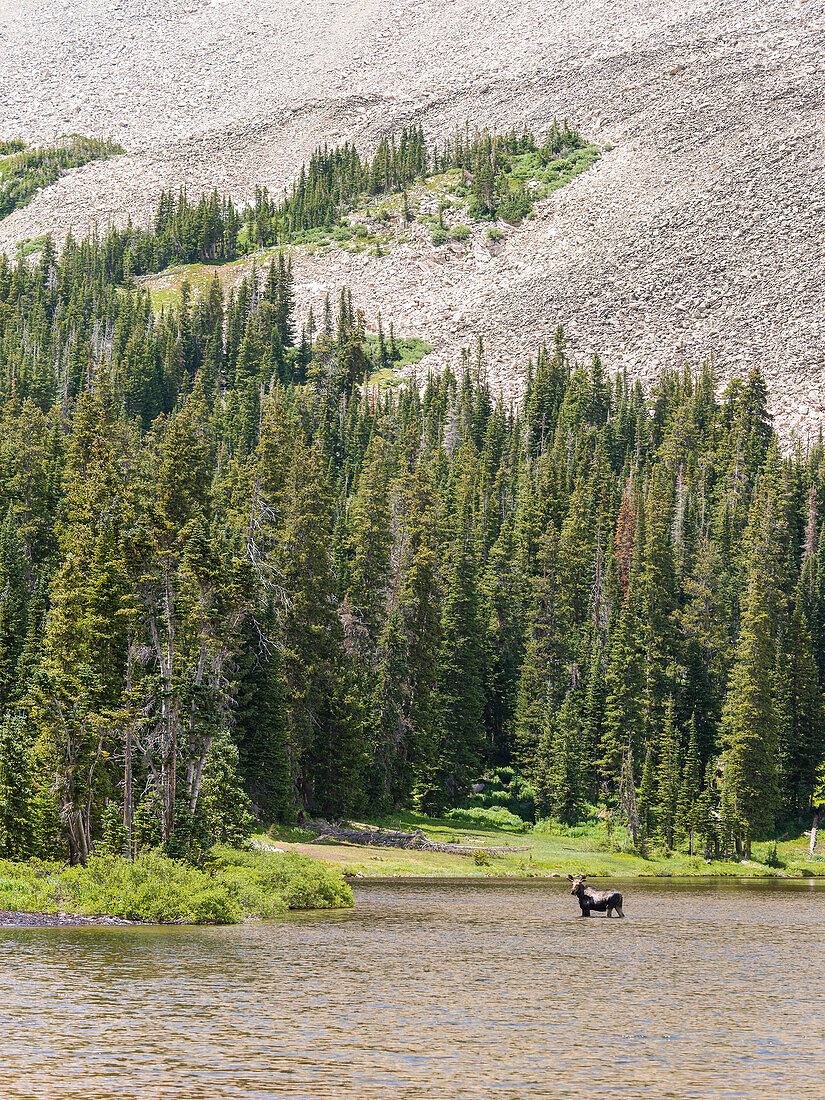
[470, 879]
[26, 918]
[538, 853]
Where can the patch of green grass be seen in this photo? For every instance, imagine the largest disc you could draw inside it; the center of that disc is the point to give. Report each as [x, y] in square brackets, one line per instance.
[557, 173]
[387, 378]
[23, 172]
[444, 181]
[591, 847]
[230, 887]
[31, 245]
[164, 287]
[410, 349]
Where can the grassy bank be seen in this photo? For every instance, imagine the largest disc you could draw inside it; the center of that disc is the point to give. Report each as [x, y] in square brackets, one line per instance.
[230, 887]
[552, 850]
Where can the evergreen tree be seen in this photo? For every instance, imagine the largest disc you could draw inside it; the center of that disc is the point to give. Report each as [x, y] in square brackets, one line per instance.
[688, 807]
[559, 781]
[646, 800]
[667, 785]
[460, 679]
[17, 789]
[751, 776]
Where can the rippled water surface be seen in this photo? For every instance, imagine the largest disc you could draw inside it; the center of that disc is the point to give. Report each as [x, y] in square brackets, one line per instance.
[433, 989]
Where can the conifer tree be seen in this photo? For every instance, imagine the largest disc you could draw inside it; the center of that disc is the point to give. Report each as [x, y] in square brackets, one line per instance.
[687, 807]
[13, 612]
[646, 800]
[407, 707]
[624, 713]
[658, 586]
[460, 680]
[624, 708]
[667, 778]
[544, 676]
[370, 542]
[803, 742]
[17, 786]
[263, 734]
[312, 634]
[750, 777]
[559, 780]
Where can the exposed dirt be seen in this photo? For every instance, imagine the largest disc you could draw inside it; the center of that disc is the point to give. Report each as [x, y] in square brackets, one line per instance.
[699, 234]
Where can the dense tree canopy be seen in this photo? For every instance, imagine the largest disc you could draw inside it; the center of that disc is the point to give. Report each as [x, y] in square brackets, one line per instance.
[228, 565]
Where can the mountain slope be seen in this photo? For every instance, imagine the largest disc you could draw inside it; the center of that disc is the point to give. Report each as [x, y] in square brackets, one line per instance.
[699, 233]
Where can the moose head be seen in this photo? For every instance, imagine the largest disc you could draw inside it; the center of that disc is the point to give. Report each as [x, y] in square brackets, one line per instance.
[578, 883]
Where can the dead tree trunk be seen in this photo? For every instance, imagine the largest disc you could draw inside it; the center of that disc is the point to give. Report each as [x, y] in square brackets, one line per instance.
[814, 829]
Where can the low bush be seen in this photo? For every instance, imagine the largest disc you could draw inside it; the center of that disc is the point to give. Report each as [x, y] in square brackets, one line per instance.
[516, 207]
[494, 817]
[505, 789]
[439, 236]
[231, 886]
[497, 798]
[459, 233]
[495, 234]
[771, 856]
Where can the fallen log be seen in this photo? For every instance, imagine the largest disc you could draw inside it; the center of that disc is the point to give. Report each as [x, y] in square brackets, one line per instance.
[392, 838]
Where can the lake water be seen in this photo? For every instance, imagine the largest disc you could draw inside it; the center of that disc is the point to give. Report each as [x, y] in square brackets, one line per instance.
[448, 989]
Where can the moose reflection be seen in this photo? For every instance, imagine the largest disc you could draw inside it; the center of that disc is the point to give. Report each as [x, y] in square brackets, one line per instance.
[599, 901]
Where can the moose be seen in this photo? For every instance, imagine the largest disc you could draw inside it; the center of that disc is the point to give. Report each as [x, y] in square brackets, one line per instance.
[602, 901]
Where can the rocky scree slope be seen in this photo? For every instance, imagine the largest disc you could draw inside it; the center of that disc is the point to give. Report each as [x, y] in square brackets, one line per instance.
[699, 233]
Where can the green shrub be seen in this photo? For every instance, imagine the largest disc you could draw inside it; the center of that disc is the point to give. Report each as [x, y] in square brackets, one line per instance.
[772, 857]
[519, 788]
[516, 207]
[495, 234]
[498, 798]
[459, 233]
[439, 236]
[494, 817]
[154, 888]
[480, 858]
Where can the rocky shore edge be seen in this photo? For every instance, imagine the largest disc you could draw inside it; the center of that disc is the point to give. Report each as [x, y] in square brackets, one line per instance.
[11, 918]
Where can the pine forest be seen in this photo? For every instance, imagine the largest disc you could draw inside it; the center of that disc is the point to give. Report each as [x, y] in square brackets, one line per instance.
[241, 583]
